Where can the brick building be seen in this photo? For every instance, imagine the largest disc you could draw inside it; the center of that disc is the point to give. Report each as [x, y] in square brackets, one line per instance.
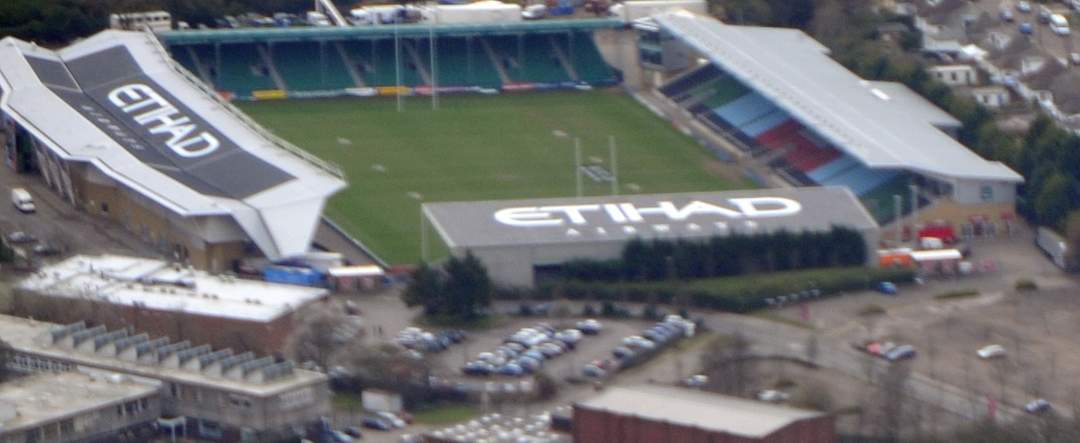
[165, 300]
[647, 414]
[205, 393]
[82, 405]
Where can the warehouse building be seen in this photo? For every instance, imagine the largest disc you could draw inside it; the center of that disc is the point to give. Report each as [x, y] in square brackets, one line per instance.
[515, 238]
[165, 299]
[646, 414]
[82, 405]
[118, 130]
[205, 393]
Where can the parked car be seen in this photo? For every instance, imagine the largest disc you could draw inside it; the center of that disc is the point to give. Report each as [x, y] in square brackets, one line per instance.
[377, 423]
[22, 200]
[991, 351]
[511, 369]
[696, 381]
[887, 288]
[353, 431]
[394, 420]
[340, 437]
[1007, 15]
[528, 364]
[773, 396]
[570, 337]
[622, 352]
[1026, 29]
[593, 371]
[21, 237]
[1023, 6]
[477, 367]
[534, 12]
[637, 341]
[901, 352]
[590, 326]
[1037, 406]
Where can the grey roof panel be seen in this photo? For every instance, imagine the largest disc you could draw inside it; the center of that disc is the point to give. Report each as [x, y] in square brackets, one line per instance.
[791, 70]
[620, 218]
[52, 72]
[105, 75]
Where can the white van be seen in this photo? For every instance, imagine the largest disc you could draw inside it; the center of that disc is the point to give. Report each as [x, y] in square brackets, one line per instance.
[1059, 25]
[22, 200]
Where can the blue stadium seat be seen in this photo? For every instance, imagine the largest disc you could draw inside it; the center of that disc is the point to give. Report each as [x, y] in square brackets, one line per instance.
[838, 166]
[764, 123]
[745, 109]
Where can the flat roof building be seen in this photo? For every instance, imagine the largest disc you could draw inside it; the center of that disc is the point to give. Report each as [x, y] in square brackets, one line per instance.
[116, 128]
[206, 393]
[514, 237]
[651, 413]
[85, 405]
[165, 299]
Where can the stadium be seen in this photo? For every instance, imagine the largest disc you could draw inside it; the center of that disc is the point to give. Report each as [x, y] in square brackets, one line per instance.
[118, 130]
[703, 107]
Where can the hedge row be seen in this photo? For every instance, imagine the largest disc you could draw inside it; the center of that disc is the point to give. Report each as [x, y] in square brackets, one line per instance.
[735, 294]
[723, 256]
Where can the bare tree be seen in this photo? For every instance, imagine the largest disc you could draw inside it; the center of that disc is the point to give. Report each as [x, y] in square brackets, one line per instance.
[727, 362]
[893, 402]
[812, 348]
[318, 334]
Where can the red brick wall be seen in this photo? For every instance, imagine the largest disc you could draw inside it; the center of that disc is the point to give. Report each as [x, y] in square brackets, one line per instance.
[592, 426]
[262, 338]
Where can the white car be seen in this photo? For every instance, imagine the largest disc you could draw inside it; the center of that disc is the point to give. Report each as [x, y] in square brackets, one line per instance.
[534, 12]
[991, 351]
[773, 396]
[392, 418]
[1037, 406]
[1023, 6]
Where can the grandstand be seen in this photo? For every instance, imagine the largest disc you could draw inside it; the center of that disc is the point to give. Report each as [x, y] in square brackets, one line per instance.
[778, 98]
[255, 63]
[119, 131]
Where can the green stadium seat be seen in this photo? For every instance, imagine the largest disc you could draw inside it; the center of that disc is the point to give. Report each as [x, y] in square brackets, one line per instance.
[587, 61]
[304, 66]
[241, 70]
[460, 62]
[376, 62]
[529, 59]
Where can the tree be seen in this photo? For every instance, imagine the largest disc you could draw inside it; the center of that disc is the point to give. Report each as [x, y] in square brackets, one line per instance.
[5, 356]
[317, 336]
[468, 287]
[1053, 200]
[460, 290]
[426, 289]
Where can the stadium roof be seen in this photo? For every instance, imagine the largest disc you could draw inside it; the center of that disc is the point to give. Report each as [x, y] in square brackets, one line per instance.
[314, 33]
[620, 218]
[157, 285]
[117, 101]
[860, 117]
[693, 408]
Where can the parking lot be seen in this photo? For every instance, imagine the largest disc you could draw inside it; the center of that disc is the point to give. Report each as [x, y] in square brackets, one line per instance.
[57, 223]
[591, 347]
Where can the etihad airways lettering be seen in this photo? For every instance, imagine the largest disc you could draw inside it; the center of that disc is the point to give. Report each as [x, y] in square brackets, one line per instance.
[161, 117]
[622, 213]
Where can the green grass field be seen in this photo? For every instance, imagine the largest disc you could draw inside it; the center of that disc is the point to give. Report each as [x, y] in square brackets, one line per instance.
[481, 148]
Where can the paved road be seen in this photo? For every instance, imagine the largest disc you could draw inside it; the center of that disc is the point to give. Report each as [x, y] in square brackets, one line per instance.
[56, 220]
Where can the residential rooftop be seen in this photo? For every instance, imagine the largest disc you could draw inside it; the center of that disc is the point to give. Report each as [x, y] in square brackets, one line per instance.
[158, 285]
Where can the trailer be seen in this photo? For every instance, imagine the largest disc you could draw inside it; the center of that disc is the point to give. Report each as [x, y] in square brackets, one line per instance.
[1055, 247]
[634, 10]
[490, 11]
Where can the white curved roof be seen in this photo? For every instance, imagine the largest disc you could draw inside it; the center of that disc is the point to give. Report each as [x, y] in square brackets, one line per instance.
[116, 100]
[859, 117]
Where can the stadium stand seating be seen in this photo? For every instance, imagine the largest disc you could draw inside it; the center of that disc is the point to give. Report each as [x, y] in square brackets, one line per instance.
[677, 87]
[183, 57]
[242, 70]
[879, 201]
[587, 61]
[460, 62]
[529, 60]
[307, 67]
